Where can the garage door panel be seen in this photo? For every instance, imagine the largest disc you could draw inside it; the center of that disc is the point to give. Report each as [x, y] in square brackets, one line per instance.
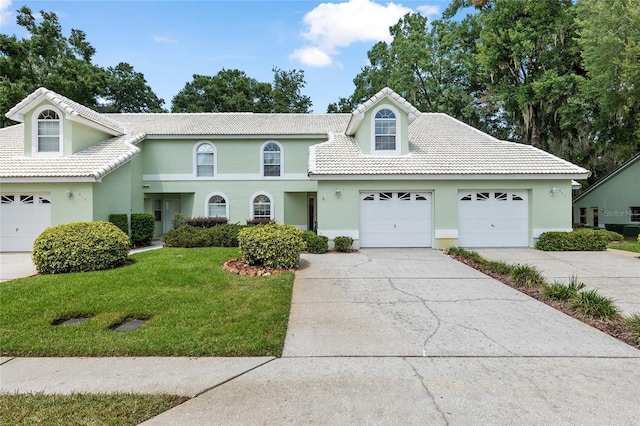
[493, 219]
[395, 219]
[24, 217]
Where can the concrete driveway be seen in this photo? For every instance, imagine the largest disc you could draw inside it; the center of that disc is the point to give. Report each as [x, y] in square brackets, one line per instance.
[614, 273]
[414, 337]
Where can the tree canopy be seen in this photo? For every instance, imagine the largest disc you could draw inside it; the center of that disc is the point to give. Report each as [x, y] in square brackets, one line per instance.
[561, 75]
[233, 91]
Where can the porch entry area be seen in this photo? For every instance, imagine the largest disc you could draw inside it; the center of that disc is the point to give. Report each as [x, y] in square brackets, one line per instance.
[300, 210]
[163, 207]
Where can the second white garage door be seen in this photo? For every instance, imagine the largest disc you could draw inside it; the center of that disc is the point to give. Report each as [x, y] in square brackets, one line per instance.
[395, 219]
[493, 219]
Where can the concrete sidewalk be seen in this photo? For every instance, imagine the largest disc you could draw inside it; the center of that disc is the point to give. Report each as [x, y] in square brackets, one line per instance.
[614, 273]
[385, 337]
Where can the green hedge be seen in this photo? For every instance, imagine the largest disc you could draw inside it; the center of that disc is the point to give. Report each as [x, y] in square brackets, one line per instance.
[121, 220]
[206, 222]
[583, 240]
[190, 236]
[315, 243]
[271, 245]
[343, 244]
[143, 226]
[80, 247]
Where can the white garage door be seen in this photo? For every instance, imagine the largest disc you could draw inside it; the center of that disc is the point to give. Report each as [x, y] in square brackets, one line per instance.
[395, 219]
[22, 218]
[493, 219]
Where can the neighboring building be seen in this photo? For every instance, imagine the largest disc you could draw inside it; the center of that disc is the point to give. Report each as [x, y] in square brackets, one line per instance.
[386, 175]
[614, 199]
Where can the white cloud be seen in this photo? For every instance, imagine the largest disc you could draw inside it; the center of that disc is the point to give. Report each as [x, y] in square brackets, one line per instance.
[5, 14]
[429, 11]
[331, 26]
[163, 39]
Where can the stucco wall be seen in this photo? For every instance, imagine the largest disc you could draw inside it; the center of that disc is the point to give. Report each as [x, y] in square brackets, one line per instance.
[613, 198]
[340, 215]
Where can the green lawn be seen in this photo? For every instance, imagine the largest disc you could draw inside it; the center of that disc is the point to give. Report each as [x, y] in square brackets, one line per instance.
[77, 409]
[195, 308]
[626, 245]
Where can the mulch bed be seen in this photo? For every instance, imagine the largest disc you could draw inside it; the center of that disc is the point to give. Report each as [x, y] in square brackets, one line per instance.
[238, 266]
[615, 327]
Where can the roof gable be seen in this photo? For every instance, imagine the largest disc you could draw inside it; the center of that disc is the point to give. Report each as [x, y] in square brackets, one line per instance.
[385, 94]
[72, 110]
[633, 160]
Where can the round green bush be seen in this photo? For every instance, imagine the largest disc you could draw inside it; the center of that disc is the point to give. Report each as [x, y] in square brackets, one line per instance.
[318, 244]
[272, 245]
[80, 247]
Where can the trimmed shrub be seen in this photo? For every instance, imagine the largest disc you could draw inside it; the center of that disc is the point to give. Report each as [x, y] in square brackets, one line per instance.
[121, 220]
[225, 235]
[187, 236]
[609, 235]
[206, 222]
[80, 247]
[143, 226]
[254, 222]
[592, 304]
[315, 243]
[271, 245]
[579, 240]
[178, 220]
[343, 244]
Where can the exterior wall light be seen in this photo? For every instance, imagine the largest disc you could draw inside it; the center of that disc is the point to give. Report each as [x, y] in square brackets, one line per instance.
[338, 192]
[554, 191]
[69, 194]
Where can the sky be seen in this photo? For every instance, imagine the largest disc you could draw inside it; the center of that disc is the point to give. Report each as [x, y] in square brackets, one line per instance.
[169, 41]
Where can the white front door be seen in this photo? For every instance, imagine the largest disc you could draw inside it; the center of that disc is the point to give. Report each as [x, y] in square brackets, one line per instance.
[493, 218]
[395, 219]
[22, 218]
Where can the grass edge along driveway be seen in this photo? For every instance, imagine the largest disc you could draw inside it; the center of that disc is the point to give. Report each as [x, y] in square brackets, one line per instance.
[193, 307]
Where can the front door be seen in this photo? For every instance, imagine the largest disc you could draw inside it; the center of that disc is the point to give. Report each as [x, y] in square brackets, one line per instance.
[311, 214]
[171, 206]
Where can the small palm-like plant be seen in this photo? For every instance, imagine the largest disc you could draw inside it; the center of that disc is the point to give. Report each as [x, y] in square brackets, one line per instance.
[499, 267]
[526, 276]
[592, 304]
[633, 322]
[560, 291]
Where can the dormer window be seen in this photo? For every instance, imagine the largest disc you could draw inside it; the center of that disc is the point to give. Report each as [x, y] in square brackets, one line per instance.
[385, 130]
[48, 135]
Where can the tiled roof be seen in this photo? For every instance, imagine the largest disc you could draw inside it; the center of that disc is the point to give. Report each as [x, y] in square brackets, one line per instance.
[439, 145]
[92, 163]
[358, 115]
[68, 106]
[237, 124]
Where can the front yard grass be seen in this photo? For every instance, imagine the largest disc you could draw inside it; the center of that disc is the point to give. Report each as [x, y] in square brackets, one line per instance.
[632, 246]
[78, 409]
[193, 307]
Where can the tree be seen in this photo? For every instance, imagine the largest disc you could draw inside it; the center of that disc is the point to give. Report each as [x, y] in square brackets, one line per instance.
[286, 92]
[47, 58]
[609, 37]
[234, 91]
[128, 91]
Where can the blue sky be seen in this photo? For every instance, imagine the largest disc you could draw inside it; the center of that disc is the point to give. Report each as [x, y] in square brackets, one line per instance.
[169, 41]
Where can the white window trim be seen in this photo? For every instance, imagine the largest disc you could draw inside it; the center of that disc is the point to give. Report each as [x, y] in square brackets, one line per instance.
[34, 132]
[195, 160]
[271, 206]
[398, 149]
[206, 203]
[262, 159]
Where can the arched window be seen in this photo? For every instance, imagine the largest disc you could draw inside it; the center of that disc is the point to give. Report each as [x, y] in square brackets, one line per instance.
[218, 206]
[385, 130]
[261, 207]
[48, 131]
[205, 160]
[271, 159]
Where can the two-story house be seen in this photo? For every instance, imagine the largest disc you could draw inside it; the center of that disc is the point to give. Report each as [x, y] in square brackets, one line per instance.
[386, 175]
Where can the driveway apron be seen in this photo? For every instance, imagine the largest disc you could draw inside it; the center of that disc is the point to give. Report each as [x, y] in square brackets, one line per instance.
[413, 337]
